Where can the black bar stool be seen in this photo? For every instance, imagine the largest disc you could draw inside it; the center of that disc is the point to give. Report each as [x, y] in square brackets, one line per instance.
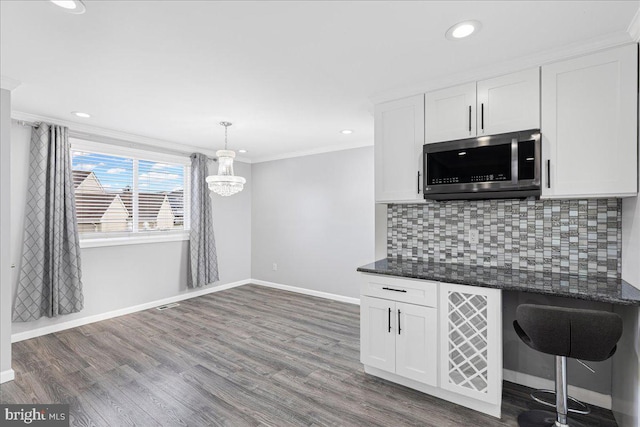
[565, 332]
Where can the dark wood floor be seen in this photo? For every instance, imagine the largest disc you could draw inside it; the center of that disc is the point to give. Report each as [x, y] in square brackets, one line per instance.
[247, 356]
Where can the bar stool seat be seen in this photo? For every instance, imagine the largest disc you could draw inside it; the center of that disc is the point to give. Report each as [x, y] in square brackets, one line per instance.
[589, 335]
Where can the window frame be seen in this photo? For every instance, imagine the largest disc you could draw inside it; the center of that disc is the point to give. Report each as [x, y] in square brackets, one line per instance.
[101, 239]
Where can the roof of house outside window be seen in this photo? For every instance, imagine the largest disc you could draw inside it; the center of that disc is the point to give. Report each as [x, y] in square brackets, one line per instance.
[93, 201]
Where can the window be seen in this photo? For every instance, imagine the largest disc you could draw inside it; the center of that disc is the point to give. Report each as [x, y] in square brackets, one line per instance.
[123, 192]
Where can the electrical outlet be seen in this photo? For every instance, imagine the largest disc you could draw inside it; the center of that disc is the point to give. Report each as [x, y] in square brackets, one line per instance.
[275, 267]
[474, 238]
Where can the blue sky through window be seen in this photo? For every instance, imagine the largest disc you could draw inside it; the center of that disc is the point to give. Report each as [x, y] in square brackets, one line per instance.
[115, 173]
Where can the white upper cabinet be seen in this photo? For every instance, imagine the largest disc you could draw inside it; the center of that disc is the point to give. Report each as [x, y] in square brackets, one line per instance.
[589, 125]
[509, 103]
[399, 137]
[502, 104]
[451, 113]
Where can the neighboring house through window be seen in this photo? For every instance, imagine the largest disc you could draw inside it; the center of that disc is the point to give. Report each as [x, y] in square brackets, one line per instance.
[124, 192]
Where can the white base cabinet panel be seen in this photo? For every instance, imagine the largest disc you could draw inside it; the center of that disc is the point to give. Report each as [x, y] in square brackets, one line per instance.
[448, 343]
[377, 333]
[471, 341]
[416, 343]
[400, 338]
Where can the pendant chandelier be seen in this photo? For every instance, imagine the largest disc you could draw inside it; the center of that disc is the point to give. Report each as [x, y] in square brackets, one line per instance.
[225, 183]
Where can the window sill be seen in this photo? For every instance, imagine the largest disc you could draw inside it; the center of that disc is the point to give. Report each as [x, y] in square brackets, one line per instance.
[133, 240]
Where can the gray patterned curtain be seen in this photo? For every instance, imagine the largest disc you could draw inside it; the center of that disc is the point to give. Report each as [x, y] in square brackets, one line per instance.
[50, 280]
[202, 243]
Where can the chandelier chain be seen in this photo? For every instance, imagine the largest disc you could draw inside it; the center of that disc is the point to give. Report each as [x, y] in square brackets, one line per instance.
[226, 127]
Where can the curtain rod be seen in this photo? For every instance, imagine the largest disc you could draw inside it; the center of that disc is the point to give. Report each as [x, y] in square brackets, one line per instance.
[25, 123]
[77, 134]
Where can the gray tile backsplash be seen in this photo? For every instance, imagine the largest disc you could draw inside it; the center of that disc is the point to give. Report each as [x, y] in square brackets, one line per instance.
[563, 236]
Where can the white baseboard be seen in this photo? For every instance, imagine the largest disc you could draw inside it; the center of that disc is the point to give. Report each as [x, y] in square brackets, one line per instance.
[587, 396]
[7, 375]
[21, 336]
[116, 313]
[305, 291]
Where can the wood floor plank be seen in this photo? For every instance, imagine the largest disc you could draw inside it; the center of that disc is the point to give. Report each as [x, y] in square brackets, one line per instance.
[249, 356]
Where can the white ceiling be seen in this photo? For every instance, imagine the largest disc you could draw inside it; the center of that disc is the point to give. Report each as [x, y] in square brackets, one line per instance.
[290, 75]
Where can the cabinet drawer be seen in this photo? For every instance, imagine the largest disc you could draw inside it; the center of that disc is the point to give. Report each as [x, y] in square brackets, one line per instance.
[420, 292]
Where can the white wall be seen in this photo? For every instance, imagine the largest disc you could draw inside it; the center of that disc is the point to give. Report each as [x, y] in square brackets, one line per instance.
[314, 217]
[118, 277]
[5, 227]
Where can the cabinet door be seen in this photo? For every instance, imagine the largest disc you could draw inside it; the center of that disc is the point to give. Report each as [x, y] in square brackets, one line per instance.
[378, 333]
[509, 103]
[451, 113]
[417, 343]
[589, 125]
[399, 137]
[471, 341]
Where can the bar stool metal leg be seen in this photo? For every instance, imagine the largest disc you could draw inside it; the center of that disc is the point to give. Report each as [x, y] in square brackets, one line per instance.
[561, 391]
[538, 418]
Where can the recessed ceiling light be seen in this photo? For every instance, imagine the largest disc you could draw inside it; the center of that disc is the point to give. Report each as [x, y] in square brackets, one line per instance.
[346, 132]
[242, 151]
[81, 114]
[463, 29]
[71, 6]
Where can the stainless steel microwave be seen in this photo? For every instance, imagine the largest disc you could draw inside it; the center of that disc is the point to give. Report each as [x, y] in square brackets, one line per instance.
[486, 167]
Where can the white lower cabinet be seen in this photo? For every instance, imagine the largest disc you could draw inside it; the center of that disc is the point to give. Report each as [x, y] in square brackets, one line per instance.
[377, 333]
[416, 343]
[400, 338]
[471, 341]
[439, 338]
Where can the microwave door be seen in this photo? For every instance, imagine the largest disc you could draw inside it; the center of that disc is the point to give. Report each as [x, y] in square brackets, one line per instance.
[481, 166]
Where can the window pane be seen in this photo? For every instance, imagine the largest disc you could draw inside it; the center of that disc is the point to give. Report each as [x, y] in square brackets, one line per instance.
[103, 188]
[161, 196]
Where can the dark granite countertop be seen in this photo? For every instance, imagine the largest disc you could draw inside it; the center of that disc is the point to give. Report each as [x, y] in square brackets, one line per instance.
[592, 287]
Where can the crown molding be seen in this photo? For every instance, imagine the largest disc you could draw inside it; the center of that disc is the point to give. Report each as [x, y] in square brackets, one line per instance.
[109, 136]
[506, 67]
[634, 27]
[124, 139]
[8, 83]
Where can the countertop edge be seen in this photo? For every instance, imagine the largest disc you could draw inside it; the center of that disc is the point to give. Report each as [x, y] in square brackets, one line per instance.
[439, 278]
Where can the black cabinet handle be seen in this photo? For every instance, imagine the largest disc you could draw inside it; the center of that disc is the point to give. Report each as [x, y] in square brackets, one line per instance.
[418, 182]
[469, 119]
[482, 117]
[395, 290]
[399, 328]
[389, 321]
[548, 173]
